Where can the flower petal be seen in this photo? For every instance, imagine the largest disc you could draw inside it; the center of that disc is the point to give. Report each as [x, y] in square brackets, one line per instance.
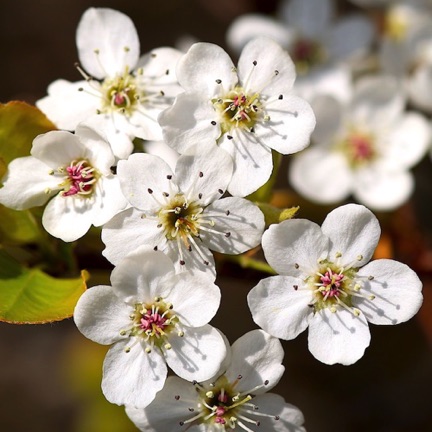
[144, 179]
[203, 173]
[70, 217]
[132, 378]
[265, 67]
[397, 291]
[127, 231]
[188, 292]
[383, 190]
[279, 307]
[239, 225]
[136, 277]
[31, 178]
[107, 42]
[201, 68]
[354, 232]
[293, 247]
[66, 105]
[198, 354]
[339, 337]
[290, 418]
[321, 175]
[100, 315]
[253, 162]
[290, 126]
[166, 411]
[189, 121]
[257, 357]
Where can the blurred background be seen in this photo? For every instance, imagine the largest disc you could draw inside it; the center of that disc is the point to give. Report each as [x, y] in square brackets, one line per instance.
[50, 375]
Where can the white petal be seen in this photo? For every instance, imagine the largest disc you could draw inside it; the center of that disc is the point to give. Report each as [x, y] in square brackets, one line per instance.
[248, 26]
[58, 148]
[111, 202]
[127, 231]
[100, 315]
[189, 121]
[202, 65]
[198, 354]
[253, 162]
[25, 183]
[143, 179]
[257, 357]
[132, 378]
[159, 66]
[420, 88]
[203, 173]
[97, 150]
[291, 124]
[354, 232]
[293, 247]
[262, 78]
[397, 291]
[166, 411]
[321, 175]
[199, 259]
[239, 222]
[66, 105]
[339, 337]
[279, 308]
[162, 150]
[107, 42]
[311, 17]
[383, 190]
[377, 102]
[70, 217]
[290, 418]
[332, 80]
[352, 35]
[408, 141]
[329, 112]
[136, 277]
[190, 292]
[120, 142]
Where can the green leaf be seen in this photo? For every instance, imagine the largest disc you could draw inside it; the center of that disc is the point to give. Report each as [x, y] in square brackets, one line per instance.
[20, 124]
[30, 296]
[18, 226]
[274, 215]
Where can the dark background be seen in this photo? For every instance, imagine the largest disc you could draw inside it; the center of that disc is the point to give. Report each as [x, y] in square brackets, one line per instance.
[49, 374]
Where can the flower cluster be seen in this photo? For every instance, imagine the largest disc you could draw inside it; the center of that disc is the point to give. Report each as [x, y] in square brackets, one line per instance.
[167, 220]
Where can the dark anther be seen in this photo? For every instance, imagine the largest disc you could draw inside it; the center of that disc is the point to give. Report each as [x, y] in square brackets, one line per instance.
[254, 62]
[150, 191]
[213, 123]
[280, 97]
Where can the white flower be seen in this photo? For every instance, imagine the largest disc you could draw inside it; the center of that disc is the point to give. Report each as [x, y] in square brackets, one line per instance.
[152, 317]
[365, 148]
[323, 48]
[127, 92]
[235, 401]
[249, 110]
[325, 285]
[75, 171]
[182, 214]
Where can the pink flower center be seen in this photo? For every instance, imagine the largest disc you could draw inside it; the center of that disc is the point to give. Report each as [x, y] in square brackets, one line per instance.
[80, 178]
[119, 99]
[153, 322]
[331, 284]
[361, 148]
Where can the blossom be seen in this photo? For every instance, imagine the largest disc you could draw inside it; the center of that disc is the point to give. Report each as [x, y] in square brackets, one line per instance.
[249, 110]
[152, 317]
[182, 214]
[365, 148]
[326, 283]
[324, 49]
[125, 91]
[406, 49]
[235, 401]
[75, 171]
